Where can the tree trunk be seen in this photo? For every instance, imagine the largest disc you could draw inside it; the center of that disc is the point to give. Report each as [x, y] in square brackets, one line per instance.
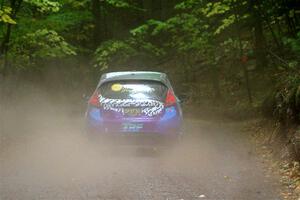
[260, 42]
[241, 55]
[100, 26]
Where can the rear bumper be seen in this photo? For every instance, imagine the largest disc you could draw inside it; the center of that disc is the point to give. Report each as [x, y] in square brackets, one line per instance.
[169, 125]
[148, 130]
[153, 133]
[136, 139]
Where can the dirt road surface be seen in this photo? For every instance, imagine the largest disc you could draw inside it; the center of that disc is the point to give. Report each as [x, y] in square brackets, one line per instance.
[44, 155]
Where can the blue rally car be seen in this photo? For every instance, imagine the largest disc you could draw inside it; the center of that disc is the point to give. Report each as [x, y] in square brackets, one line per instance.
[135, 103]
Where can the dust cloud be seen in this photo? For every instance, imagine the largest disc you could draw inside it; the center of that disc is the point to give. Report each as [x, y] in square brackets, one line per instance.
[45, 154]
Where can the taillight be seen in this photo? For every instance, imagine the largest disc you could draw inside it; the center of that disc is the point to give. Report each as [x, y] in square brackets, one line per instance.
[170, 99]
[94, 100]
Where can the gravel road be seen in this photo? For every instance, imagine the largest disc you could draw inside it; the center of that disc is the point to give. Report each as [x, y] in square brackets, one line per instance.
[44, 155]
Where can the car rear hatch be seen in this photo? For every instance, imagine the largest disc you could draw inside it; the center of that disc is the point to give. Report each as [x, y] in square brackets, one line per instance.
[131, 105]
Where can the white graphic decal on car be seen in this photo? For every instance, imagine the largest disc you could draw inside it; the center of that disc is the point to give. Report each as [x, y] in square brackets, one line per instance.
[149, 107]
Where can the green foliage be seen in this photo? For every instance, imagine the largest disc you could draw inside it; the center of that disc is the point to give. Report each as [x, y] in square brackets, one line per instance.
[78, 4]
[45, 5]
[5, 16]
[118, 3]
[119, 51]
[187, 4]
[123, 4]
[140, 31]
[294, 43]
[113, 50]
[64, 21]
[38, 45]
[197, 28]
[225, 23]
[42, 28]
[155, 26]
[47, 43]
[217, 8]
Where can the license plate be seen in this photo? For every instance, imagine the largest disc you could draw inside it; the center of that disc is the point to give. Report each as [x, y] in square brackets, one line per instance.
[132, 111]
[132, 127]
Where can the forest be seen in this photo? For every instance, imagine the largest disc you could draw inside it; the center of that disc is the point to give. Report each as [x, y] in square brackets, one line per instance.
[230, 52]
[235, 54]
[242, 55]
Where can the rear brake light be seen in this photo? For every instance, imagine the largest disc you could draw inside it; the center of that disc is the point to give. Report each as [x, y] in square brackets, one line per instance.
[94, 100]
[170, 99]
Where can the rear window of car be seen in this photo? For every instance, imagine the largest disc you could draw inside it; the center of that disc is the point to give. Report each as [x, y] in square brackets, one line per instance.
[134, 90]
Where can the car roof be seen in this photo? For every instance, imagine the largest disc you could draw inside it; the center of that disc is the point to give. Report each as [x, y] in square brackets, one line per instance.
[134, 75]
